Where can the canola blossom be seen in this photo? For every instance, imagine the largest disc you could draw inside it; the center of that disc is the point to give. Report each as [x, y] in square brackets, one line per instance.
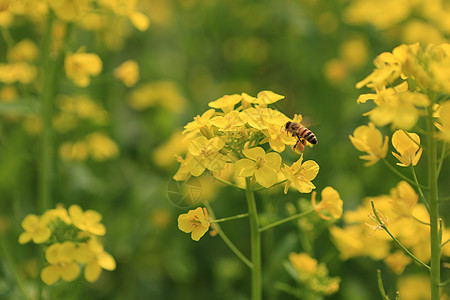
[195, 222]
[70, 237]
[241, 131]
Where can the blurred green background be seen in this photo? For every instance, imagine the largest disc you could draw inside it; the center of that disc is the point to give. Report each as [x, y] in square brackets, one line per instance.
[311, 51]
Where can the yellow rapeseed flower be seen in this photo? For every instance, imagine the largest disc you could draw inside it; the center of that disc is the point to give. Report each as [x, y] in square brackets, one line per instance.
[369, 139]
[36, 229]
[444, 118]
[331, 204]
[88, 221]
[397, 261]
[401, 110]
[230, 122]
[128, 72]
[73, 151]
[61, 257]
[195, 222]
[404, 199]
[226, 103]
[300, 174]
[264, 166]
[95, 258]
[303, 263]
[263, 98]
[81, 66]
[25, 50]
[206, 155]
[200, 123]
[101, 147]
[407, 145]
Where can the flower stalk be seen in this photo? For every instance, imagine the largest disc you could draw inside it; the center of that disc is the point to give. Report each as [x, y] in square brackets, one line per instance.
[255, 239]
[434, 209]
[46, 113]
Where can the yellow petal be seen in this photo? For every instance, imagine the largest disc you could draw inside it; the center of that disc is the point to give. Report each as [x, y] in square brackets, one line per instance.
[266, 176]
[245, 167]
[254, 153]
[50, 274]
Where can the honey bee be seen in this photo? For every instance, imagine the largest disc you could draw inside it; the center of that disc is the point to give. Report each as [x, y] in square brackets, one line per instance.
[302, 133]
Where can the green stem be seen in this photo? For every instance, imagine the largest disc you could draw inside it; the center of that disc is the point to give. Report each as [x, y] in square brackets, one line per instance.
[380, 286]
[230, 218]
[288, 219]
[403, 176]
[46, 113]
[225, 238]
[226, 182]
[8, 259]
[381, 223]
[435, 276]
[441, 159]
[255, 238]
[275, 184]
[444, 199]
[420, 190]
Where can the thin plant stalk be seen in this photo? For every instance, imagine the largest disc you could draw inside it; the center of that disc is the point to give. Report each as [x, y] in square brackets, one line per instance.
[46, 114]
[255, 239]
[435, 276]
[9, 261]
[225, 238]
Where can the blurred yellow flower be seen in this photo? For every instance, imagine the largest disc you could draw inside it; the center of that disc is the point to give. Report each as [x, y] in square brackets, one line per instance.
[77, 151]
[61, 257]
[21, 72]
[303, 263]
[226, 103]
[35, 229]
[95, 258]
[165, 154]
[68, 10]
[407, 145]
[205, 155]
[23, 51]
[354, 52]
[369, 139]
[195, 222]
[265, 166]
[331, 204]
[397, 261]
[444, 118]
[300, 175]
[128, 72]
[101, 147]
[158, 93]
[335, 71]
[404, 199]
[414, 287]
[81, 66]
[88, 221]
[139, 20]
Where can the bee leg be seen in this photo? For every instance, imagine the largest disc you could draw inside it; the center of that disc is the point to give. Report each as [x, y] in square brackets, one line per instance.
[300, 145]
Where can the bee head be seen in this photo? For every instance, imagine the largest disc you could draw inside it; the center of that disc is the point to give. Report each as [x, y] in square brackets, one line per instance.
[288, 124]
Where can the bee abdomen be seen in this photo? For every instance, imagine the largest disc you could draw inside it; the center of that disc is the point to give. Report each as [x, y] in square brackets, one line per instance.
[309, 136]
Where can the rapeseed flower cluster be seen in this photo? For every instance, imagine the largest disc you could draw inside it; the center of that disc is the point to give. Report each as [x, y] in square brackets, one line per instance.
[410, 88]
[242, 134]
[313, 276]
[71, 237]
